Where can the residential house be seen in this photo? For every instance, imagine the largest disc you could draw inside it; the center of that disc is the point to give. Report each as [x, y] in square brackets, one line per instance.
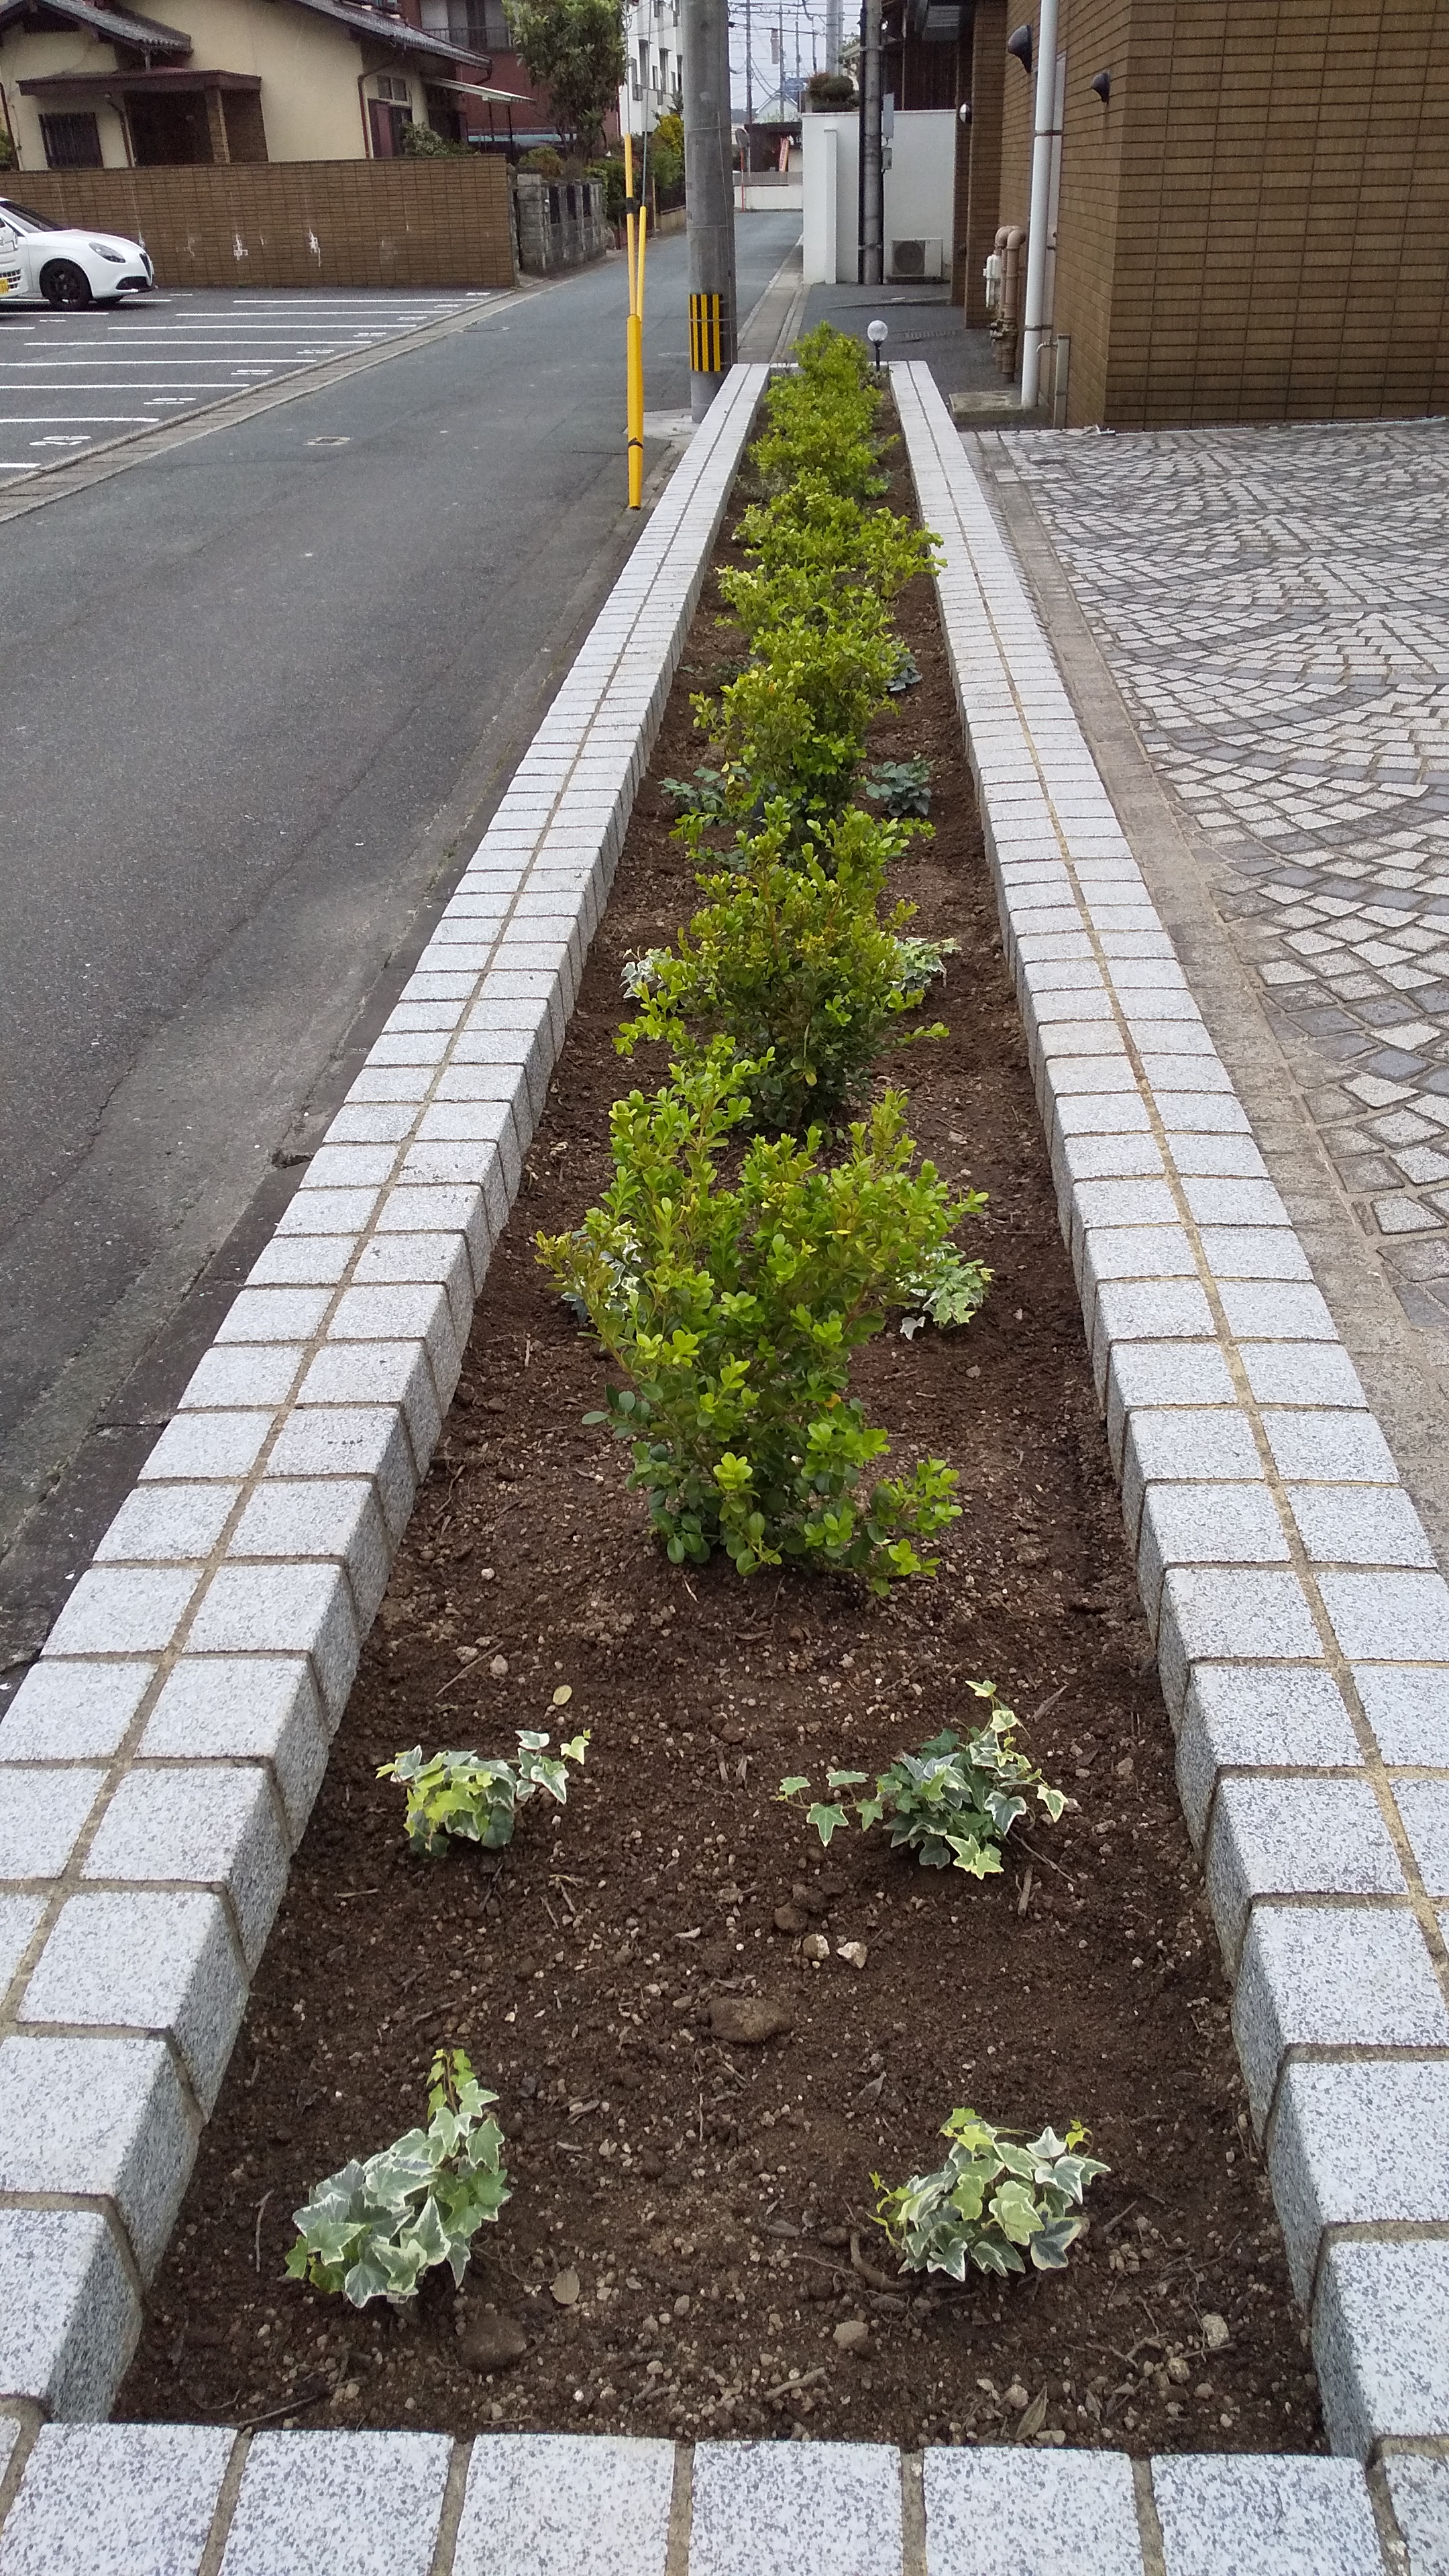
[517, 118]
[91, 84]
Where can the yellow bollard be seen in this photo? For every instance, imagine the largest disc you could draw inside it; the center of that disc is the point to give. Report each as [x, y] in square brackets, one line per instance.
[634, 340]
[636, 411]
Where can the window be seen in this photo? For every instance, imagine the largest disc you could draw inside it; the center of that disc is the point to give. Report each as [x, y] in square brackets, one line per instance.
[71, 142]
[387, 87]
[478, 24]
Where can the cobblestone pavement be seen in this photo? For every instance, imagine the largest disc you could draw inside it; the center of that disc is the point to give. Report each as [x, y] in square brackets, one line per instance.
[1274, 607]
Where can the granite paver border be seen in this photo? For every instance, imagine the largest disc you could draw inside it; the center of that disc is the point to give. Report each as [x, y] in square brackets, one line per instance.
[160, 1760]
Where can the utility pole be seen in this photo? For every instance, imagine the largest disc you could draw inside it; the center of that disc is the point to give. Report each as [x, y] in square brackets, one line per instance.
[749, 68]
[832, 35]
[871, 265]
[709, 198]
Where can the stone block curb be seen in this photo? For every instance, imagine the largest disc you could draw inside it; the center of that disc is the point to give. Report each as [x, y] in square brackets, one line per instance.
[177, 2500]
[1302, 1625]
[159, 1762]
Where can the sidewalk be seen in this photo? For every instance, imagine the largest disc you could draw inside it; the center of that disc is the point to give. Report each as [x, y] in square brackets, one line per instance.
[923, 323]
[1253, 628]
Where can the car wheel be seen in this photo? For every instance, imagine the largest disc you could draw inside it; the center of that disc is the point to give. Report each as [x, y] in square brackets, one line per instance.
[65, 286]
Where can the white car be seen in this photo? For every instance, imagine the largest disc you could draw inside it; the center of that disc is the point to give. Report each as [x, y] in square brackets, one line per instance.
[70, 268]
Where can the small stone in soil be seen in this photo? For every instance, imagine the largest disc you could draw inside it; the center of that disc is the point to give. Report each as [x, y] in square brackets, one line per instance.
[748, 2020]
[565, 2288]
[852, 1952]
[852, 2334]
[491, 2342]
[791, 1918]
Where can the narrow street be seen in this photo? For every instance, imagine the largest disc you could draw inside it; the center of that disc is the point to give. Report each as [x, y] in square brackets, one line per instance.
[260, 692]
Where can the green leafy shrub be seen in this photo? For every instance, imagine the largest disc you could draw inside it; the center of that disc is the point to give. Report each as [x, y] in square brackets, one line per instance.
[906, 674]
[542, 162]
[734, 1313]
[820, 419]
[952, 1804]
[901, 786]
[794, 723]
[424, 143]
[372, 2230]
[665, 162]
[810, 546]
[467, 1797]
[791, 960]
[941, 2221]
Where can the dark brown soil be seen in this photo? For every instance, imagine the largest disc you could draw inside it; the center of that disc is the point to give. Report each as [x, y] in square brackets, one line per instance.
[702, 2192]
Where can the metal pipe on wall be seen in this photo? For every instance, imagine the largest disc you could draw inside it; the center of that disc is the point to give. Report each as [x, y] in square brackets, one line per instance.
[1038, 222]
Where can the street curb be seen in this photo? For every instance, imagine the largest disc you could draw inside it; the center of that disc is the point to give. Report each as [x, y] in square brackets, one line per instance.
[1302, 1626]
[160, 1759]
[174, 1731]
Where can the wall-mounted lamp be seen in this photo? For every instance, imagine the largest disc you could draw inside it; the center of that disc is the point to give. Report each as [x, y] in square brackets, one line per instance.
[1103, 86]
[1020, 45]
[964, 111]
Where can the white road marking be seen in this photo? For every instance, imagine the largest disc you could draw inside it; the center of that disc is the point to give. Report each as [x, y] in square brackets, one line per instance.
[183, 351]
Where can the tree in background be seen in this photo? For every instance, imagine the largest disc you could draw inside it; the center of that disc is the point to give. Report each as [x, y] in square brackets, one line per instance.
[575, 50]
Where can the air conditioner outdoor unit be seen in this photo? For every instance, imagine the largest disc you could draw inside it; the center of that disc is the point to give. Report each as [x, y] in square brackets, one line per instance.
[915, 259]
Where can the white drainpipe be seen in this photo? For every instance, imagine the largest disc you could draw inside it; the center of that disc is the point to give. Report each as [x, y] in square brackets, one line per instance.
[1041, 178]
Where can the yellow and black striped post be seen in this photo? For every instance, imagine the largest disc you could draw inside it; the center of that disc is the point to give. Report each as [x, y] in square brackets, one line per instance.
[706, 335]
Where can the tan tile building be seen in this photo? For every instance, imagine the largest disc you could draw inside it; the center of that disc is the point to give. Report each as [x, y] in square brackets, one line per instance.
[1252, 223]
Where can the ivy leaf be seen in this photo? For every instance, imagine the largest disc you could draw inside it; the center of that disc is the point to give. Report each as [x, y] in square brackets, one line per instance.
[826, 1820]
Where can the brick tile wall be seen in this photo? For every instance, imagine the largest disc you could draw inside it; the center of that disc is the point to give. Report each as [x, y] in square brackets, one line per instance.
[300, 223]
[1257, 226]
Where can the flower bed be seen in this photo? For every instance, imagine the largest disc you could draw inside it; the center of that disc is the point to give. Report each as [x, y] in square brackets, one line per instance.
[694, 2101]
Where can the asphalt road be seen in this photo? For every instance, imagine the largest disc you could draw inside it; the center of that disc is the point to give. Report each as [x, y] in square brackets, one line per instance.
[259, 694]
[73, 381]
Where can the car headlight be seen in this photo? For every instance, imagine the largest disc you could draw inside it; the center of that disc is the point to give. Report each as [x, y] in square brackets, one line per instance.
[103, 250]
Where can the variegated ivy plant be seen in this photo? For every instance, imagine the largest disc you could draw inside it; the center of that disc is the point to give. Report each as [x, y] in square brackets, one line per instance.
[372, 2230]
[953, 1804]
[474, 1798]
[991, 2202]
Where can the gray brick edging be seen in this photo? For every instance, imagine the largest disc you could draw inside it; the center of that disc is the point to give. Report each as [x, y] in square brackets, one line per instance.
[190, 2500]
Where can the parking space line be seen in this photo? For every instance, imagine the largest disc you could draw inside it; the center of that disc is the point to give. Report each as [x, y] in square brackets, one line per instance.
[186, 352]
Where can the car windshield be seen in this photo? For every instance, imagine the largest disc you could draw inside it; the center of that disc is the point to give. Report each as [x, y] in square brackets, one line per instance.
[24, 219]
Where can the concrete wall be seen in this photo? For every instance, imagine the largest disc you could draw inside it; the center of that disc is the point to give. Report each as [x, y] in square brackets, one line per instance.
[1256, 227]
[831, 220]
[39, 57]
[560, 222]
[301, 223]
[918, 188]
